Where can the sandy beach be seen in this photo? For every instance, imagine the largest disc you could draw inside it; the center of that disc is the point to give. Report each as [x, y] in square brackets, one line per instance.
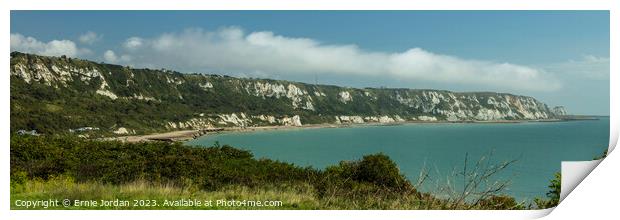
[185, 135]
[182, 135]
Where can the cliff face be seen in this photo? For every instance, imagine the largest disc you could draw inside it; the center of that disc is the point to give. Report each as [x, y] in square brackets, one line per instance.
[75, 93]
[559, 111]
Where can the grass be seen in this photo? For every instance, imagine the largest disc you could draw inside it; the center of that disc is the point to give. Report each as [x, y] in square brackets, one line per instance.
[301, 196]
[293, 196]
[298, 196]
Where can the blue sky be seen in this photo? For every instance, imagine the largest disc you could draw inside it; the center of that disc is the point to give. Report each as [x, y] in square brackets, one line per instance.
[559, 57]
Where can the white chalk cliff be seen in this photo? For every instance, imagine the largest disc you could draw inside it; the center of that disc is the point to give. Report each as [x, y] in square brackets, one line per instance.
[247, 102]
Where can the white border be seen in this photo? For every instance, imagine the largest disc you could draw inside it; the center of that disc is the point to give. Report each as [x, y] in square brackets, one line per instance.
[590, 186]
[312, 5]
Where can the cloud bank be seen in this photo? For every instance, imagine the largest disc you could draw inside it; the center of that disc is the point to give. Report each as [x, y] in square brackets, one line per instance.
[231, 49]
[111, 57]
[52, 48]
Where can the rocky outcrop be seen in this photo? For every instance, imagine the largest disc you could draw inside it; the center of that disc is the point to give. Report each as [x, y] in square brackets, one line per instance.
[233, 120]
[292, 121]
[266, 118]
[349, 119]
[345, 97]
[425, 118]
[559, 111]
[475, 106]
[299, 98]
[121, 130]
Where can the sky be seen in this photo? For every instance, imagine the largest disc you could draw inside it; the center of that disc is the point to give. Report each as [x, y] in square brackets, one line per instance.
[558, 57]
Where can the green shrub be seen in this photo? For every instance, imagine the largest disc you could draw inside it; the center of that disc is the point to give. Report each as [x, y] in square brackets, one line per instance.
[373, 182]
[375, 175]
[553, 196]
[381, 170]
[115, 162]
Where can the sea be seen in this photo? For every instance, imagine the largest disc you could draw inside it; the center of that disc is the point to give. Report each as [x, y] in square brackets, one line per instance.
[440, 152]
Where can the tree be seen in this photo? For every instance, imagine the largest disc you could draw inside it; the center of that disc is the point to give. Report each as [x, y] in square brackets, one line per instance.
[553, 196]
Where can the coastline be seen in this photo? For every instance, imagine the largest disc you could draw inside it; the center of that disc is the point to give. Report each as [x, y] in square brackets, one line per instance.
[186, 135]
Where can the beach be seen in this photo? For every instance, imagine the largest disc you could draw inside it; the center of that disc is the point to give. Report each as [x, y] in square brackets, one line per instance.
[185, 135]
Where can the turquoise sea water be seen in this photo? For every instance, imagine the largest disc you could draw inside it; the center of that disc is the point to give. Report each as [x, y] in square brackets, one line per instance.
[539, 147]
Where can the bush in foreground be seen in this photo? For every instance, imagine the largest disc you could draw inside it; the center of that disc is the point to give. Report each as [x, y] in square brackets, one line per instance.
[116, 163]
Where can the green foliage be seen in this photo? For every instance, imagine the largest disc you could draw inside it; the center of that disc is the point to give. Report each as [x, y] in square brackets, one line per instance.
[374, 177]
[553, 196]
[501, 202]
[116, 163]
[211, 169]
[379, 169]
[77, 168]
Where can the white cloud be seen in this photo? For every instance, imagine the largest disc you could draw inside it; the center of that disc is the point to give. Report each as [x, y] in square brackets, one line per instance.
[111, 57]
[232, 50]
[133, 43]
[52, 48]
[89, 37]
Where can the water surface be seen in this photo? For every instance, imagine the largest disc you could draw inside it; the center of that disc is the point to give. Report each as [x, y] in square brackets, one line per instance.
[539, 147]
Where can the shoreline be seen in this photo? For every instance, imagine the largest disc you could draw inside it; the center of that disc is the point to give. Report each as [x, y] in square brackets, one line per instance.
[187, 135]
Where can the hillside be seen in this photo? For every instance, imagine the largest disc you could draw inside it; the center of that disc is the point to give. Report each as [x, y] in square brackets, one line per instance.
[56, 94]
